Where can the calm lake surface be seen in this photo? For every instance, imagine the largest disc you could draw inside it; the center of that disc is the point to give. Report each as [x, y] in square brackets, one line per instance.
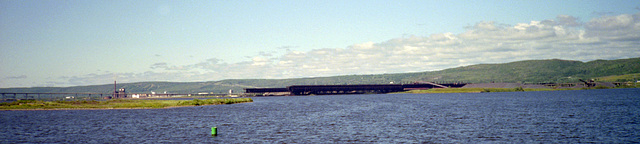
[583, 116]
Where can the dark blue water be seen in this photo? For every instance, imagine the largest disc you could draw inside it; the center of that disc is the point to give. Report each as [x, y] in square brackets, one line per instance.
[585, 116]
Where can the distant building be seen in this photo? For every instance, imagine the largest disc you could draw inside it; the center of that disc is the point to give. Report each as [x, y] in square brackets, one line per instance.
[121, 93]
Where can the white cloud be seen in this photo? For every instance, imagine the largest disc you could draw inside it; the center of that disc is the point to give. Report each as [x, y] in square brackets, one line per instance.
[625, 27]
[611, 22]
[260, 61]
[565, 37]
[363, 46]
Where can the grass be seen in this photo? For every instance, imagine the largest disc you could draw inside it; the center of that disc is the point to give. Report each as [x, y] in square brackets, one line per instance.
[620, 78]
[114, 104]
[482, 90]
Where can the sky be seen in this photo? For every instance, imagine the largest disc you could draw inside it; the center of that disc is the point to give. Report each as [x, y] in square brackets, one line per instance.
[60, 43]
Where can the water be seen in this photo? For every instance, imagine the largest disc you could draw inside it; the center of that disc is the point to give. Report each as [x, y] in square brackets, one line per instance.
[585, 116]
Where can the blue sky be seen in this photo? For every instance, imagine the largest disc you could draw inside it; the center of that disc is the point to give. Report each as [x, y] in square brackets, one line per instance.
[70, 43]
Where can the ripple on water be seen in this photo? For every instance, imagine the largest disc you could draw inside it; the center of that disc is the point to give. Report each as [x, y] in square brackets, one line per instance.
[597, 116]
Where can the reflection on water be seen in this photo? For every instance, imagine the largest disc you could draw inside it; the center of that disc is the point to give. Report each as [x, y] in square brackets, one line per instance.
[599, 116]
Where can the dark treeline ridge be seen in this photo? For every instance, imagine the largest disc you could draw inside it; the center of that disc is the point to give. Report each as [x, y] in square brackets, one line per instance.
[529, 71]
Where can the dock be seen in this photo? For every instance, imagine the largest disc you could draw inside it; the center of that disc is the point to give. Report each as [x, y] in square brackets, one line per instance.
[348, 89]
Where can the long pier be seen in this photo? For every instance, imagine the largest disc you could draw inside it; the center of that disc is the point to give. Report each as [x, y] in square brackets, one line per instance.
[347, 89]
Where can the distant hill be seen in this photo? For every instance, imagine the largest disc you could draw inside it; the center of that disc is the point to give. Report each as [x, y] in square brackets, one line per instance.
[529, 71]
[534, 71]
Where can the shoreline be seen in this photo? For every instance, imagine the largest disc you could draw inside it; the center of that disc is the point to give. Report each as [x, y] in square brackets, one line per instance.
[490, 90]
[28, 105]
[108, 108]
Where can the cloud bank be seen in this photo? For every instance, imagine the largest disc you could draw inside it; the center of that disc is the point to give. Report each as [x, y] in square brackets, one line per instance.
[565, 37]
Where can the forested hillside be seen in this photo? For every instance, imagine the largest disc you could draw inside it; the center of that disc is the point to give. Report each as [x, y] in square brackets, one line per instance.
[533, 71]
[530, 71]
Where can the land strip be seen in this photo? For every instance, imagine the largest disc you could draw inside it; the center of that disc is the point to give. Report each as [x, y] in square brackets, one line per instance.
[484, 90]
[115, 104]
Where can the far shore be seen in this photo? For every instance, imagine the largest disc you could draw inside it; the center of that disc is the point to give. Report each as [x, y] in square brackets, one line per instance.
[115, 104]
[485, 90]
[45, 109]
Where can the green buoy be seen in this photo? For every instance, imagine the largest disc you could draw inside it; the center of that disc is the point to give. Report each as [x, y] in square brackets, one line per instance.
[214, 131]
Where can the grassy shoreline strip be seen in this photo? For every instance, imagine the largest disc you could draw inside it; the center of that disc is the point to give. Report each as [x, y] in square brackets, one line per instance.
[115, 104]
[483, 90]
